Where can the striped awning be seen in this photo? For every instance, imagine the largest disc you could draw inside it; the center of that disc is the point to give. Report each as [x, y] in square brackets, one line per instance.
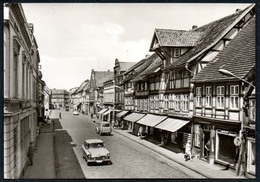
[151, 120]
[102, 111]
[122, 113]
[134, 117]
[172, 124]
[107, 112]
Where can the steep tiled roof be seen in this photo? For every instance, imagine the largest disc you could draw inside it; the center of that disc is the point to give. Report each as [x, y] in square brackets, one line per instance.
[178, 38]
[238, 57]
[57, 91]
[156, 63]
[102, 76]
[139, 67]
[124, 66]
[212, 33]
[82, 86]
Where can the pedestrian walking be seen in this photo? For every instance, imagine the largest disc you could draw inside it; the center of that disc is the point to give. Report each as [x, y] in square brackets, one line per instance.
[207, 147]
[30, 153]
[187, 154]
[60, 115]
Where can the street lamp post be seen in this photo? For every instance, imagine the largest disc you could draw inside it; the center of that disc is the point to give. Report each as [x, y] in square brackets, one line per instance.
[241, 159]
[228, 73]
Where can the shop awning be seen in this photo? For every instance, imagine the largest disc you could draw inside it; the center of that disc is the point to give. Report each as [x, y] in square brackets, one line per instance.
[76, 105]
[172, 124]
[107, 112]
[102, 111]
[122, 113]
[151, 120]
[134, 117]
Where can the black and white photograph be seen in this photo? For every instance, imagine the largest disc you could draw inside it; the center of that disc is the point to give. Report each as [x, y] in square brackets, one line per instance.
[129, 90]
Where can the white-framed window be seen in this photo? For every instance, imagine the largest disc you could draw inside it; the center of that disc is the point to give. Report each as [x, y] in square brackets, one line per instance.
[234, 97]
[185, 103]
[208, 96]
[171, 101]
[177, 102]
[252, 110]
[198, 97]
[177, 52]
[220, 97]
[156, 100]
[166, 102]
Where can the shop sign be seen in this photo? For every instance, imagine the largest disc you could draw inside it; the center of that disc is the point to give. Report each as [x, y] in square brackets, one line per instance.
[237, 141]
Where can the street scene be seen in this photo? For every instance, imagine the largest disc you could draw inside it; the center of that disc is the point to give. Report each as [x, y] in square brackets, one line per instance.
[107, 93]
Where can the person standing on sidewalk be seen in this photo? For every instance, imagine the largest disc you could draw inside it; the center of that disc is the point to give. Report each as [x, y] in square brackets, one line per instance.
[30, 153]
[60, 115]
[187, 154]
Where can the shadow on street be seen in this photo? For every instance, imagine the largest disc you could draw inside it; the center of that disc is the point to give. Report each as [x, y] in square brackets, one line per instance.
[66, 162]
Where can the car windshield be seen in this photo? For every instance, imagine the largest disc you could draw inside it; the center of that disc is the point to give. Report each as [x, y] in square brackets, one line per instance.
[96, 145]
[106, 124]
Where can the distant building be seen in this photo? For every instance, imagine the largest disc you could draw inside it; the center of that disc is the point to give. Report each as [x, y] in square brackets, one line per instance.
[119, 69]
[96, 89]
[60, 98]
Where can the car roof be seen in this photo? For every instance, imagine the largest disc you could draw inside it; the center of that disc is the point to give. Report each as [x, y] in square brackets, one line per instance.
[94, 141]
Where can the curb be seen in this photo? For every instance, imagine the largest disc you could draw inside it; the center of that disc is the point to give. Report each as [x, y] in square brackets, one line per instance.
[191, 168]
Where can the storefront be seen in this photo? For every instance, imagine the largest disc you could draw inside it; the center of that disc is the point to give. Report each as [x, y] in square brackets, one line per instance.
[213, 140]
[173, 125]
[148, 123]
[225, 147]
[99, 113]
[119, 117]
[130, 119]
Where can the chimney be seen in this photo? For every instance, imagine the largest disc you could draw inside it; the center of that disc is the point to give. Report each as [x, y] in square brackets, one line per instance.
[194, 27]
[237, 10]
[30, 25]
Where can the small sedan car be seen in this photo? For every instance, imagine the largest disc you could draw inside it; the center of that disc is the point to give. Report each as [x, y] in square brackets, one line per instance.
[104, 127]
[75, 113]
[94, 151]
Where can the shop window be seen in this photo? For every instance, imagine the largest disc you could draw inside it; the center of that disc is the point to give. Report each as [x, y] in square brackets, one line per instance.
[173, 137]
[234, 97]
[198, 97]
[220, 97]
[225, 148]
[197, 135]
[251, 161]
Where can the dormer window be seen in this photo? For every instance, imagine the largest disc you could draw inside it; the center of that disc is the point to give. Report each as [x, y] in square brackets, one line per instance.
[177, 52]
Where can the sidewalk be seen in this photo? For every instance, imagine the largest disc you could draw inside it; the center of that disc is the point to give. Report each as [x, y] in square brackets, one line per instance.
[197, 165]
[43, 161]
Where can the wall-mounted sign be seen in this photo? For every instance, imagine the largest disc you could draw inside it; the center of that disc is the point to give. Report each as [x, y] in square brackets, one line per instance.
[237, 141]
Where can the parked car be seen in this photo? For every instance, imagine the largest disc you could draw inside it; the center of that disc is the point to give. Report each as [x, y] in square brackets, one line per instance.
[75, 113]
[94, 151]
[104, 127]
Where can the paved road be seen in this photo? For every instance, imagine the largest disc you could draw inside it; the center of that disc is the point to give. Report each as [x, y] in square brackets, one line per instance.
[130, 159]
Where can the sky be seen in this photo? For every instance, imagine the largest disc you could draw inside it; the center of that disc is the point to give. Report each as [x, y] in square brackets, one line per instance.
[74, 38]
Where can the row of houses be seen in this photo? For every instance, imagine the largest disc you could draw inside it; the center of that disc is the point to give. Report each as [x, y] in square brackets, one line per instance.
[198, 85]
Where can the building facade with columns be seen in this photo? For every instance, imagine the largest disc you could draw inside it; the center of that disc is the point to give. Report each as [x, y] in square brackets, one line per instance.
[21, 62]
